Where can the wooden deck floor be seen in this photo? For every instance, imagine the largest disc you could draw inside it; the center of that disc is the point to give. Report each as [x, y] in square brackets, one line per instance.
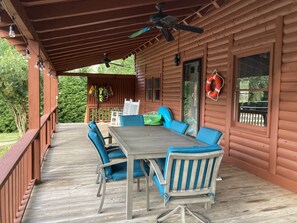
[68, 191]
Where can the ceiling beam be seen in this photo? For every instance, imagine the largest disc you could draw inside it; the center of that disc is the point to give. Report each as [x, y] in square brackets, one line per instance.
[140, 15]
[98, 42]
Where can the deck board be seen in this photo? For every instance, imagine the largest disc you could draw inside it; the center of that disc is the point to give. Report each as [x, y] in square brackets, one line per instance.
[68, 190]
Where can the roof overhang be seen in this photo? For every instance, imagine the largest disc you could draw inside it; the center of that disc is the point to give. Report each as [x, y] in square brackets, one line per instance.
[73, 34]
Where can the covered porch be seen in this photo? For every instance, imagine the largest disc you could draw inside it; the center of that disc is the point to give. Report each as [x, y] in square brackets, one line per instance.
[63, 35]
[68, 190]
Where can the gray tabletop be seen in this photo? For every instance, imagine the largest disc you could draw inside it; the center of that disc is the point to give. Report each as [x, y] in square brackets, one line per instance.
[149, 141]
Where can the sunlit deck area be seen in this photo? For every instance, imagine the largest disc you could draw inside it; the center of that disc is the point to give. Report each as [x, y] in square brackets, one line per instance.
[68, 190]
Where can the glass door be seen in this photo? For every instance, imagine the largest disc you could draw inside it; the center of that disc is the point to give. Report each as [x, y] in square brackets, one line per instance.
[191, 95]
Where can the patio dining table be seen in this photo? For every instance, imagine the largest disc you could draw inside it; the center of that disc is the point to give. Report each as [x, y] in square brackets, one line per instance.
[145, 142]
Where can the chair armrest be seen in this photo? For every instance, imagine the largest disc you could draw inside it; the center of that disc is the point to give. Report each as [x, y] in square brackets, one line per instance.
[114, 162]
[107, 137]
[156, 168]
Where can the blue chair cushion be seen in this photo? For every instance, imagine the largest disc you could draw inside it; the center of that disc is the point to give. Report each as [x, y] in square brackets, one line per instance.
[131, 120]
[208, 135]
[119, 171]
[118, 153]
[101, 149]
[93, 125]
[179, 127]
[166, 115]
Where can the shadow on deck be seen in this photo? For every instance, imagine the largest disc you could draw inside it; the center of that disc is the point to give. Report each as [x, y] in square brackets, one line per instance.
[68, 190]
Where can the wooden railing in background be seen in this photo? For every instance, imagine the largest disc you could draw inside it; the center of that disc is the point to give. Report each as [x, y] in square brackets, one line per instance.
[19, 167]
[252, 117]
[101, 114]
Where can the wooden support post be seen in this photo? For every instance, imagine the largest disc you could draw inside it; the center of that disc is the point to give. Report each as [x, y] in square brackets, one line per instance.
[229, 84]
[47, 101]
[275, 93]
[34, 106]
[47, 90]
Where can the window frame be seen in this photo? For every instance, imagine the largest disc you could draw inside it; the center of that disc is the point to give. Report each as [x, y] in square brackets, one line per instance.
[153, 89]
[263, 130]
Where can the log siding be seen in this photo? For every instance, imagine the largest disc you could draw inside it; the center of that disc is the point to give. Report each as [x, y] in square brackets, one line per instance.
[237, 26]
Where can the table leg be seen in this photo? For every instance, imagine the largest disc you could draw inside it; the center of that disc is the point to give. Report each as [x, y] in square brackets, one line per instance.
[129, 190]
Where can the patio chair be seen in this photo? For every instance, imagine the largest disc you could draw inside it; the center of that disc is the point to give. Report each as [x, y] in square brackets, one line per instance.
[131, 120]
[113, 151]
[115, 170]
[179, 127]
[189, 177]
[209, 136]
[166, 115]
[115, 115]
[134, 108]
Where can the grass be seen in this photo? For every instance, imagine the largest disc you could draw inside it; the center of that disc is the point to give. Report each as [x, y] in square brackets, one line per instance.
[4, 150]
[9, 137]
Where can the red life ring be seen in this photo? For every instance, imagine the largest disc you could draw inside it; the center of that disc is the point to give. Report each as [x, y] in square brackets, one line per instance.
[213, 93]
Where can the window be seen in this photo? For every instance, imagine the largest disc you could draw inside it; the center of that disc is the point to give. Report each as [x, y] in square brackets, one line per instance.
[156, 96]
[152, 89]
[252, 88]
[149, 89]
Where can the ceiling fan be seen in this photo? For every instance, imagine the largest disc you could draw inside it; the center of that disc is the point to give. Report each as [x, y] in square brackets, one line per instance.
[107, 61]
[164, 23]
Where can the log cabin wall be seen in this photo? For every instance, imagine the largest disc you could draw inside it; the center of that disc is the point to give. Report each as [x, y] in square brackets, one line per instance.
[123, 86]
[237, 26]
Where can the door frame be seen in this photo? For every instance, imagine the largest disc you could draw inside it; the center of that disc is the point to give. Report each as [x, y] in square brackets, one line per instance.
[199, 88]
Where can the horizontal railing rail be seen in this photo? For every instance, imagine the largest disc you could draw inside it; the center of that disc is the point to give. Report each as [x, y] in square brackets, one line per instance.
[20, 168]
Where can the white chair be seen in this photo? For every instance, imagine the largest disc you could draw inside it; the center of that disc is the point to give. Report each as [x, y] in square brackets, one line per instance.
[115, 114]
[127, 105]
[134, 108]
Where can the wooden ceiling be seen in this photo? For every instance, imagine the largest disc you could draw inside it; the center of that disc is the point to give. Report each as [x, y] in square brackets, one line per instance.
[76, 33]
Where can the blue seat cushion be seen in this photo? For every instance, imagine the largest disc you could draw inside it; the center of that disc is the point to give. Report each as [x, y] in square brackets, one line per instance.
[118, 153]
[93, 125]
[100, 148]
[161, 188]
[179, 127]
[208, 135]
[119, 171]
[166, 115]
[131, 120]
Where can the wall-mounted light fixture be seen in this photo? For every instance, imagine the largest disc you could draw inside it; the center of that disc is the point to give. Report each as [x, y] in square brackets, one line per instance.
[176, 59]
[40, 64]
[11, 31]
[28, 53]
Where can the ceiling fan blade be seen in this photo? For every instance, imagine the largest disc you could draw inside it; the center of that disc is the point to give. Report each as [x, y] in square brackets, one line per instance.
[187, 28]
[139, 32]
[168, 19]
[168, 36]
[120, 65]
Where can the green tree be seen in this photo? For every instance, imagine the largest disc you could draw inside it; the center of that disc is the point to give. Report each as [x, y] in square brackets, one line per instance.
[72, 99]
[14, 84]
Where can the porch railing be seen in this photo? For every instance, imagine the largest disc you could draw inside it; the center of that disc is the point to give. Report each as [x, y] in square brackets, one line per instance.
[253, 117]
[101, 114]
[20, 169]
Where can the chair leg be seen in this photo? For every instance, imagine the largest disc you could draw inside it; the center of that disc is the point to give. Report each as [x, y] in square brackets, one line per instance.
[183, 209]
[100, 186]
[138, 185]
[166, 214]
[98, 177]
[103, 196]
[197, 216]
